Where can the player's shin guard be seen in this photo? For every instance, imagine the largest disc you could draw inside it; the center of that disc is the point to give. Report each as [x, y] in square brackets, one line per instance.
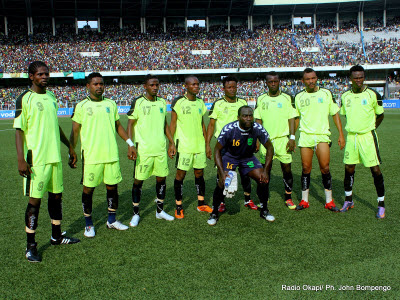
[218, 197]
[348, 185]
[87, 204]
[178, 187]
[112, 201]
[263, 195]
[380, 188]
[31, 217]
[54, 206]
[305, 186]
[246, 184]
[288, 183]
[200, 186]
[327, 182]
[160, 189]
[136, 195]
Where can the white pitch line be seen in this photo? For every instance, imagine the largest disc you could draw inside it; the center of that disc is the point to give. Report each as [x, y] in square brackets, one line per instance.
[7, 129]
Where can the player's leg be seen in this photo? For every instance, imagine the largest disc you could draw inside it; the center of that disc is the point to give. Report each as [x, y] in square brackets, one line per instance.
[349, 172]
[380, 190]
[201, 191]
[160, 190]
[92, 176]
[31, 223]
[324, 155]
[306, 154]
[136, 196]
[178, 187]
[218, 198]
[288, 184]
[246, 184]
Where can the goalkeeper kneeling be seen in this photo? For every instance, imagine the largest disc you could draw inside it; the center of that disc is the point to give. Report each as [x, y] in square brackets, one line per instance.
[235, 149]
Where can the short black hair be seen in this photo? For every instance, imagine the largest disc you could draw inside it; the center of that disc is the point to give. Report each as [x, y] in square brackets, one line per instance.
[229, 78]
[93, 75]
[271, 73]
[34, 66]
[188, 77]
[308, 70]
[243, 107]
[356, 68]
[149, 77]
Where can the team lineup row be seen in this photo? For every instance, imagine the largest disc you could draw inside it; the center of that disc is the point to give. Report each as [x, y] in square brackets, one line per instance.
[239, 130]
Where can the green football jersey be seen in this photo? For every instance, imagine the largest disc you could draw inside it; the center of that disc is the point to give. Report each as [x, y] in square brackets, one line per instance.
[225, 112]
[149, 126]
[97, 119]
[361, 110]
[314, 110]
[36, 116]
[275, 112]
[189, 129]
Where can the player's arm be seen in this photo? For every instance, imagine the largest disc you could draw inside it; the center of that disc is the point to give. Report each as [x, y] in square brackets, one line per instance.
[338, 123]
[210, 132]
[291, 145]
[73, 159]
[379, 119]
[122, 133]
[218, 162]
[23, 167]
[171, 146]
[130, 132]
[172, 125]
[268, 161]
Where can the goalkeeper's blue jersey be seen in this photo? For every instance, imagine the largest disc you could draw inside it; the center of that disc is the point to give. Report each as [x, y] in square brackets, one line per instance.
[241, 143]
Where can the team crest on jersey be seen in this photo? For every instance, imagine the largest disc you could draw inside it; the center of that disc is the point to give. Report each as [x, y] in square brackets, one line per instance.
[279, 105]
[320, 100]
[161, 110]
[364, 101]
[250, 141]
[250, 164]
[107, 109]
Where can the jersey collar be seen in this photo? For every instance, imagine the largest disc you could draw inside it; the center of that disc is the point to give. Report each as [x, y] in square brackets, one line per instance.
[279, 93]
[90, 99]
[237, 99]
[361, 91]
[185, 95]
[311, 92]
[155, 98]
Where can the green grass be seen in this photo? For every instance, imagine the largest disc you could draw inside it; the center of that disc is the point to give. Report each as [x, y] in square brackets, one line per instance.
[242, 257]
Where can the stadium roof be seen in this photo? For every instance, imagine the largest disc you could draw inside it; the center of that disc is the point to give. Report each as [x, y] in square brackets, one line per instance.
[92, 9]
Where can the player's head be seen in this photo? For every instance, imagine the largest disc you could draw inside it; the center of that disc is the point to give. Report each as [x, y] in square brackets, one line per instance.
[39, 74]
[272, 80]
[95, 84]
[230, 86]
[357, 77]
[245, 117]
[151, 85]
[310, 79]
[192, 84]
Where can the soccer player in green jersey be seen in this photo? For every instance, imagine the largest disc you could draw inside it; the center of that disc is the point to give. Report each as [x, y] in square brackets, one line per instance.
[314, 105]
[37, 139]
[187, 127]
[224, 111]
[147, 118]
[363, 109]
[275, 111]
[96, 120]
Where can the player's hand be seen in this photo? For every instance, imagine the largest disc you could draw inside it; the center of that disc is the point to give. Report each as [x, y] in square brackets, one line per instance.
[24, 169]
[208, 152]
[72, 158]
[132, 153]
[171, 150]
[291, 146]
[264, 178]
[257, 146]
[341, 142]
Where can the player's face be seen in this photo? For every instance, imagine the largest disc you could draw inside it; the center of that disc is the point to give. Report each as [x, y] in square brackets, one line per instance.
[246, 118]
[230, 89]
[96, 86]
[41, 77]
[310, 80]
[152, 86]
[357, 79]
[192, 85]
[273, 83]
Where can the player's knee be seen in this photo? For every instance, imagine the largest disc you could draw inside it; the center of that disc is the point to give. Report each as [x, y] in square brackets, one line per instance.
[324, 169]
[112, 199]
[200, 186]
[180, 175]
[31, 216]
[87, 203]
[54, 206]
[198, 173]
[375, 171]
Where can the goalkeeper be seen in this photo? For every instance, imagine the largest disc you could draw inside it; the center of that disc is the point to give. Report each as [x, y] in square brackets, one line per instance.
[235, 148]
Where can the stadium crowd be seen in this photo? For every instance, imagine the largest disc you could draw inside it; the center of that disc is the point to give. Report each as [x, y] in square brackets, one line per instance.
[128, 49]
[123, 94]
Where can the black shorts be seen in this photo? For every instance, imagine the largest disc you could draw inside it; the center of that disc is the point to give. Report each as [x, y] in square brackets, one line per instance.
[245, 165]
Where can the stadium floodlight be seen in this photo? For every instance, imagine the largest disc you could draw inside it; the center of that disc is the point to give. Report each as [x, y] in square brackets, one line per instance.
[199, 23]
[297, 2]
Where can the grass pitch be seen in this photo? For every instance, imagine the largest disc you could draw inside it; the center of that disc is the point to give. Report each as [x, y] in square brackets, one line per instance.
[241, 257]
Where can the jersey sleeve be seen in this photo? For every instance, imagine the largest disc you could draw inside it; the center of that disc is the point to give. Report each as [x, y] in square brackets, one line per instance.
[132, 113]
[343, 107]
[77, 113]
[175, 105]
[116, 115]
[203, 108]
[257, 114]
[262, 134]
[333, 107]
[296, 105]
[378, 104]
[292, 112]
[20, 119]
[213, 113]
[224, 135]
